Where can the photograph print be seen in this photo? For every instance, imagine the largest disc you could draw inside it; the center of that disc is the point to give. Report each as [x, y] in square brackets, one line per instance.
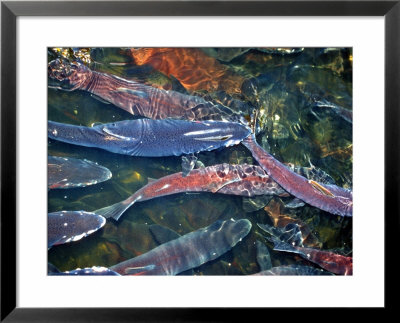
[200, 161]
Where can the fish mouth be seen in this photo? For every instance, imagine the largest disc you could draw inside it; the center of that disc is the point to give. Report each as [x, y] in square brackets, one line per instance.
[59, 69]
[66, 75]
[239, 228]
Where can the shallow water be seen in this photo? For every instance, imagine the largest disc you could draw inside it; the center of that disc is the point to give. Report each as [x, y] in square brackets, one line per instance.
[282, 85]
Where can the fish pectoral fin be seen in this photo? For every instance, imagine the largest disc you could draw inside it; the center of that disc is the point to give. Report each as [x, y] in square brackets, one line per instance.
[188, 163]
[318, 187]
[177, 86]
[117, 136]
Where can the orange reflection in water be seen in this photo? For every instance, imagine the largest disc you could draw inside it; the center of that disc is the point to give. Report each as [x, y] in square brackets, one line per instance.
[275, 210]
[191, 66]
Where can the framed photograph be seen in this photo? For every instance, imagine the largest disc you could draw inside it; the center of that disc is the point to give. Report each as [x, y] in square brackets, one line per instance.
[215, 143]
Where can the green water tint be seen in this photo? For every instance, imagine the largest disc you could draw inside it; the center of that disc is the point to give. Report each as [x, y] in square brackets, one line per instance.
[292, 132]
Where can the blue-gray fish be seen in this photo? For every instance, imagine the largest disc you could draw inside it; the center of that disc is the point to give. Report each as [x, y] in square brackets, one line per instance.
[266, 269]
[346, 114]
[263, 257]
[188, 251]
[290, 240]
[292, 270]
[67, 172]
[67, 226]
[92, 271]
[152, 138]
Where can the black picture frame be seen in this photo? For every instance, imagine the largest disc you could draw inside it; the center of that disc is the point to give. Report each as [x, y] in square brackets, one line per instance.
[10, 10]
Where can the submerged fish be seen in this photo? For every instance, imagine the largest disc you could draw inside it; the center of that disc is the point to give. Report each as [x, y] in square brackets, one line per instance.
[152, 138]
[344, 113]
[70, 172]
[327, 197]
[67, 226]
[312, 173]
[243, 180]
[188, 251]
[163, 235]
[280, 218]
[92, 271]
[292, 270]
[136, 98]
[266, 269]
[289, 241]
[263, 257]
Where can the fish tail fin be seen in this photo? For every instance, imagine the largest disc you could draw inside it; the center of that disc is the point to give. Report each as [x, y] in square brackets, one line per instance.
[112, 211]
[116, 210]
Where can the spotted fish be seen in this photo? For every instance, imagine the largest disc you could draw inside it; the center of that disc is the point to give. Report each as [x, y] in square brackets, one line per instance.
[330, 198]
[288, 242]
[188, 251]
[67, 226]
[90, 271]
[152, 138]
[293, 270]
[136, 98]
[266, 269]
[243, 180]
[67, 172]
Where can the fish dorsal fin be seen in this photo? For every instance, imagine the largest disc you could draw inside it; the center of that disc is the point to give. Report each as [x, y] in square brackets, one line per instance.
[151, 180]
[162, 234]
[177, 85]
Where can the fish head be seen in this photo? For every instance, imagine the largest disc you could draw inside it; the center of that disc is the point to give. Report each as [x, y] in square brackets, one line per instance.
[67, 75]
[229, 231]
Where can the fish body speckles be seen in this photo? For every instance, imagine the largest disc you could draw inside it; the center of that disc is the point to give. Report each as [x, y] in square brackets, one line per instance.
[152, 138]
